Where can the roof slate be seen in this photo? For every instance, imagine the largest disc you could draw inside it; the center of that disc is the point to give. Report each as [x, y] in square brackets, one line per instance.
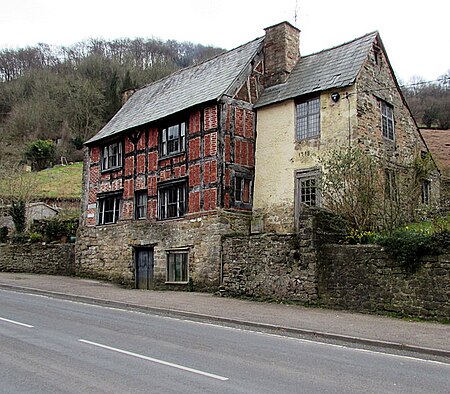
[183, 89]
[332, 68]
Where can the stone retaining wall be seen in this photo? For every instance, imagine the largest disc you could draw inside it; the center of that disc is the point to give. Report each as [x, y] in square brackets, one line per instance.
[364, 278]
[268, 266]
[51, 259]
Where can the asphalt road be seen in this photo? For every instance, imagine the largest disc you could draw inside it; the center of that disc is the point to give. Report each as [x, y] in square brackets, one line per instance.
[55, 346]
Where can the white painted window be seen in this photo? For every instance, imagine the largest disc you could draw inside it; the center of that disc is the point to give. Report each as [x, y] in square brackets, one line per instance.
[173, 139]
[108, 211]
[172, 201]
[112, 156]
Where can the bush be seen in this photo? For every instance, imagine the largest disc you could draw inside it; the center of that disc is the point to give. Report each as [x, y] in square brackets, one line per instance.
[406, 246]
[35, 237]
[40, 153]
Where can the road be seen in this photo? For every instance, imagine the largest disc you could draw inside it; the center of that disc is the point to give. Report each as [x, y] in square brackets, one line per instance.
[49, 345]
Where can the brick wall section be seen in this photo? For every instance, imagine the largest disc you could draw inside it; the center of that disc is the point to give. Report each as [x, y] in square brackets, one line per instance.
[51, 259]
[363, 278]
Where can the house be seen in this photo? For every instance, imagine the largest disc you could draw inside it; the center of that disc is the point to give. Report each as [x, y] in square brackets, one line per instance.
[179, 167]
[34, 211]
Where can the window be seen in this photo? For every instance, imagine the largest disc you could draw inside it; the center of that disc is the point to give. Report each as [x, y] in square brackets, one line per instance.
[172, 201]
[307, 187]
[108, 209]
[426, 192]
[243, 189]
[177, 266]
[387, 120]
[391, 185]
[308, 119]
[173, 139]
[112, 156]
[140, 205]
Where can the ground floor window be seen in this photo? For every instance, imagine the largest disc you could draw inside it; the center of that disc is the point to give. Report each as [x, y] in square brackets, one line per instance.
[307, 187]
[426, 192]
[108, 209]
[177, 266]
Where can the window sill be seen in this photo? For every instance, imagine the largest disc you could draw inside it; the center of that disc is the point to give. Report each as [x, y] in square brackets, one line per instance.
[113, 169]
[170, 156]
[177, 283]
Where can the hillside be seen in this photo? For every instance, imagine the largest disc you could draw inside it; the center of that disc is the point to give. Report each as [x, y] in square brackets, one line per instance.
[58, 182]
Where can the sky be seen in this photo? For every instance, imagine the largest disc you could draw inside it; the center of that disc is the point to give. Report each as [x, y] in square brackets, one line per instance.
[416, 34]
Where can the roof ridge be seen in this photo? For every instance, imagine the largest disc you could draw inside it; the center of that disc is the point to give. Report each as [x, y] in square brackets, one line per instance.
[198, 64]
[375, 32]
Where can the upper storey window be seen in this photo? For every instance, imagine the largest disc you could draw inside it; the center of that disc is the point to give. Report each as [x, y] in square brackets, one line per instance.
[173, 139]
[308, 119]
[112, 156]
[387, 120]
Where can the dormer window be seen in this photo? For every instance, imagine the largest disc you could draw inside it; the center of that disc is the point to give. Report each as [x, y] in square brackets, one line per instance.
[173, 139]
[112, 156]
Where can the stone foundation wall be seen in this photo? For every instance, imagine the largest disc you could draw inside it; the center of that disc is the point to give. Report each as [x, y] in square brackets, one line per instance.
[108, 251]
[52, 259]
[364, 278]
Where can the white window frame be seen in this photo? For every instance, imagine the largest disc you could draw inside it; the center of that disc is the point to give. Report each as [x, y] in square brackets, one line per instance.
[167, 204]
[104, 211]
[387, 120]
[177, 266]
[112, 156]
[173, 139]
[140, 207]
[307, 119]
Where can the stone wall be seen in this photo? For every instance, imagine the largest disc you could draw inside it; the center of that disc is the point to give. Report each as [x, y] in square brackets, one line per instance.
[108, 251]
[270, 267]
[364, 278]
[51, 259]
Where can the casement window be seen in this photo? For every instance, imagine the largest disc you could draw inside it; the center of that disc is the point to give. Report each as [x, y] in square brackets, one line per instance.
[172, 200]
[387, 120]
[308, 119]
[390, 185]
[177, 266]
[140, 205]
[307, 187]
[112, 156]
[243, 189]
[172, 139]
[108, 209]
[426, 192]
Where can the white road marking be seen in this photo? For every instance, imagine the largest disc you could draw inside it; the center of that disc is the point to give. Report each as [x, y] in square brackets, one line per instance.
[155, 360]
[16, 322]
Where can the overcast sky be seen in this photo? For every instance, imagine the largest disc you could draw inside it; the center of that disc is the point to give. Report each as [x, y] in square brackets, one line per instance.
[416, 33]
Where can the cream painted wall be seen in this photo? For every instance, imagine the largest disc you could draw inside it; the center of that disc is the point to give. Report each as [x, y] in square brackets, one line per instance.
[278, 155]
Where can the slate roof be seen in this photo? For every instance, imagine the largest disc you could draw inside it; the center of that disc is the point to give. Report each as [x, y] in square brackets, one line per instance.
[331, 68]
[183, 89]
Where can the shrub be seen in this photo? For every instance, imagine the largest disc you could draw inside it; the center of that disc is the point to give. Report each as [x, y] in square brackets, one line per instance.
[35, 237]
[17, 210]
[406, 246]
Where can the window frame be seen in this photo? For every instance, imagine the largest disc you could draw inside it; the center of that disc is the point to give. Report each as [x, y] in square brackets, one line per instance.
[426, 192]
[165, 142]
[239, 193]
[138, 206]
[164, 204]
[391, 188]
[311, 115]
[108, 156]
[387, 120]
[116, 205]
[171, 266]
[305, 175]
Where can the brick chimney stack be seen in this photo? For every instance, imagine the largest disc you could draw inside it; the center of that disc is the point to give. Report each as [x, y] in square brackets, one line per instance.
[281, 52]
